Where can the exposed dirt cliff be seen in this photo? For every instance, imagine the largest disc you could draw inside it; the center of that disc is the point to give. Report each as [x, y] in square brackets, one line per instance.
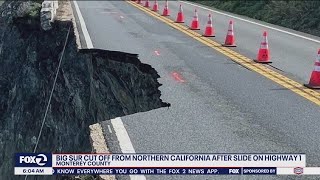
[93, 85]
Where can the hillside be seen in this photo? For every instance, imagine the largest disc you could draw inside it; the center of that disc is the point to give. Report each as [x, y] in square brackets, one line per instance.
[301, 15]
[93, 85]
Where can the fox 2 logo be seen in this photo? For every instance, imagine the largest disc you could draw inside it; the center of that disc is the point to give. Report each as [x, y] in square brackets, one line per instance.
[32, 159]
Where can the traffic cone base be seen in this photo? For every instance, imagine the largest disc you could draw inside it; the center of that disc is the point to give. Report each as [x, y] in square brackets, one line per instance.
[227, 45]
[166, 12]
[180, 18]
[209, 33]
[209, 36]
[194, 28]
[262, 62]
[155, 8]
[263, 56]
[311, 87]
[195, 25]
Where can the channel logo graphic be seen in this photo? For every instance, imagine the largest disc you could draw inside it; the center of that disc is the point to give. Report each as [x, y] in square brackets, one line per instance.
[298, 170]
[33, 160]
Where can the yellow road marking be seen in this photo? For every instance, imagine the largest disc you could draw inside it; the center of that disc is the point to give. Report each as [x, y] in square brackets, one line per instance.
[284, 81]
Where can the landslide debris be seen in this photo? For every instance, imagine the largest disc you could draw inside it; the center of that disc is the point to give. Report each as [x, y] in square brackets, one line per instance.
[93, 85]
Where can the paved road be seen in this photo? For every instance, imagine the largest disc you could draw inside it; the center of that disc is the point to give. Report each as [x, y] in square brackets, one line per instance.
[292, 54]
[219, 106]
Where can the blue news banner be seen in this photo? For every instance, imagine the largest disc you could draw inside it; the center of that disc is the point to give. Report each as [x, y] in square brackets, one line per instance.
[42, 164]
[168, 171]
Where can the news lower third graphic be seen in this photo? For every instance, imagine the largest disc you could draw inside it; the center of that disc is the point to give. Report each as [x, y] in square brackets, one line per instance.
[33, 164]
[162, 164]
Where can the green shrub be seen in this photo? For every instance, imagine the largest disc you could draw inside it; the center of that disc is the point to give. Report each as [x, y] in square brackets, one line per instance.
[35, 10]
[303, 15]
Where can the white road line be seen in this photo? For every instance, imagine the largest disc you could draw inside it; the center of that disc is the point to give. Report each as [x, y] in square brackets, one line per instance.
[121, 132]
[124, 142]
[123, 137]
[83, 27]
[252, 22]
[109, 129]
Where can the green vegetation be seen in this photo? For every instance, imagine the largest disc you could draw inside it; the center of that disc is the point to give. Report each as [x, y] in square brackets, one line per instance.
[302, 15]
[34, 10]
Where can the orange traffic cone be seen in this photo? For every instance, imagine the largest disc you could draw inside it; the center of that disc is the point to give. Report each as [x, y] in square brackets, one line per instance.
[147, 5]
[230, 39]
[195, 21]
[314, 82]
[180, 16]
[209, 32]
[264, 53]
[155, 6]
[166, 11]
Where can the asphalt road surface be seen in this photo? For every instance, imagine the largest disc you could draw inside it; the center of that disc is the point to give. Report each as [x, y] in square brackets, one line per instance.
[217, 106]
